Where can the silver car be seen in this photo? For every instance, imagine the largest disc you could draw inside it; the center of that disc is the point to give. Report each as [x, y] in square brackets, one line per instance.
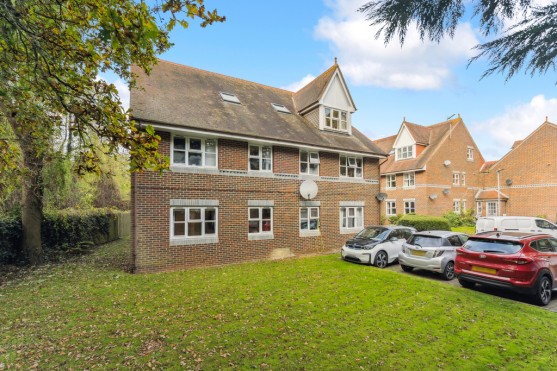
[432, 250]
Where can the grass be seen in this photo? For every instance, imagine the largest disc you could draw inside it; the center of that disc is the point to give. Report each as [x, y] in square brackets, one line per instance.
[468, 230]
[309, 313]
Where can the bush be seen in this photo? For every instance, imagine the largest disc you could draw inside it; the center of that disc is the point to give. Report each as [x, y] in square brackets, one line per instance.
[393, 219]
[425, 222]
[465, 219]
[10, 240]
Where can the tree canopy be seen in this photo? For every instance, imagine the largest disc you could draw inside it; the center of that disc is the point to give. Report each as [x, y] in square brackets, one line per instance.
[529, 43]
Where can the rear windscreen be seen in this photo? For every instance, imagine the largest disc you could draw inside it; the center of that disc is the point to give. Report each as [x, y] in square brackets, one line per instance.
[494, 247]
[428, 241]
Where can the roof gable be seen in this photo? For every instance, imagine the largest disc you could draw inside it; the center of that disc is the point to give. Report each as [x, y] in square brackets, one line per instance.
[404, 137]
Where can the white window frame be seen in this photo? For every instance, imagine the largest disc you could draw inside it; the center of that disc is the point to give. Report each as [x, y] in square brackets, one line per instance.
[351, 162]
[470, 154]
[390, 181]
[312, 160]
[309, 218]
[187, 220]
[187, 151]
[456, 178]
[260, 157]
[456, 206]
[340, 121]
[260, 220]
[463, 205]
[390, 207]
[409, 180]
[403, 153]
[479, 208]
[489, 205]
[357, 215]
[410, 206]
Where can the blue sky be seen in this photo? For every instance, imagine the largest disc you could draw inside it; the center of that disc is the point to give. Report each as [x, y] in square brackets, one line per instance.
[285, 43]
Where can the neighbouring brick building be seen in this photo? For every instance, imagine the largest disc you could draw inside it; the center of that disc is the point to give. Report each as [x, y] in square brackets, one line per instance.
[239, 152]
[527, 183]
[430, 169]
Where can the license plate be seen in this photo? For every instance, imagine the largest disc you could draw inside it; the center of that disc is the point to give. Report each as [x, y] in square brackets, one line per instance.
[483, 269]
[418, 252]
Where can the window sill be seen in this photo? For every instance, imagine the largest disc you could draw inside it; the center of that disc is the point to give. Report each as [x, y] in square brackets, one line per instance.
[260, 236]
[390, 188]
[411, 187]
[350, 230]
[194, 169]
[193, 241]
[316, 233]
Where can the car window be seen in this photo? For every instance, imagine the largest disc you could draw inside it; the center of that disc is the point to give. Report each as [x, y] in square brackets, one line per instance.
[407, 233]
[396, 234]
[493, 246]
[540, 223]
[376, 233]
[542, 246]
[463, 238]
[429, 241]
[454, 241]
[553, 243]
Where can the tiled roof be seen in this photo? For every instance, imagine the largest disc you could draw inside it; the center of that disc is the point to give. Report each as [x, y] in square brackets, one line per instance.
[516, 143]
[421, 134]
[187, 97]
[386, 144]
[490, 194]
[312, 92]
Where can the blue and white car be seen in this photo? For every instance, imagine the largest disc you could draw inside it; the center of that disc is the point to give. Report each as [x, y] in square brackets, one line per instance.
[376, 245]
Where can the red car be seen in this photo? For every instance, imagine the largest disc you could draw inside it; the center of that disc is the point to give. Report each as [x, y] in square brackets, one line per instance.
[524, 263]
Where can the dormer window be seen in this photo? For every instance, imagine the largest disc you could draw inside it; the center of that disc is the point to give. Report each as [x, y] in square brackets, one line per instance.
[229, 97]
[405, 152]
[336, 119]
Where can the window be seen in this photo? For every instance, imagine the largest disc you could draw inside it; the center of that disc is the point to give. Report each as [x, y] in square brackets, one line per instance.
[280, 108]
[491, 208]
[463, 179]
[391, 181]
[391, 207]
[409, 180]
[336, 119]
[309, 162]
[352, 217]
[456, 178]
[351, 167]
[309, 218]
[193, 221]
[260, 220]
[463, 205]
[479, 208]
[194, 152]
[544, 224]
[409, 207]
[456, 206]
[404, 152]
[470, 154]
[229, 97]
[454, 241]
[260, 158]
[543, 245]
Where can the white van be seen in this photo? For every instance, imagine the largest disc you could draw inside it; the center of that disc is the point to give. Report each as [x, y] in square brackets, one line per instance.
[525, 224]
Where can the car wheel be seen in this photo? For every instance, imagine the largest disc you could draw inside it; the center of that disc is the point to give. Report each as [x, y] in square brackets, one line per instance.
[466, 284]
[381, 259]
[543, 291]
[406, 268]
[448, 272]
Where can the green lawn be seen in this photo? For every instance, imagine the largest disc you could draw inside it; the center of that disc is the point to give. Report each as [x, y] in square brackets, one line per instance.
[468, 230]
[309, 313]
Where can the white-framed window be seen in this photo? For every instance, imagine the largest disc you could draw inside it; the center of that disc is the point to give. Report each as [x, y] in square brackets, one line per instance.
[193, 222]
[456, 178]
[470, 153]
[409, 180]
[491, 208]
[479, 208]
[463, 179]
[456, 206]
[463, 205]
[405, 152]
[336, 119]
[197, 152]
[391, 207]
[351, 167]
[352, 217]
[391, 181]
[260, 158]
[409, 206]
[260, 220]
[309, 162]
[309, 218]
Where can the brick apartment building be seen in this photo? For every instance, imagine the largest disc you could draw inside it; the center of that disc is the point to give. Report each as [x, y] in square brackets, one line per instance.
[430, 169]
[239, 152]
[527, 183]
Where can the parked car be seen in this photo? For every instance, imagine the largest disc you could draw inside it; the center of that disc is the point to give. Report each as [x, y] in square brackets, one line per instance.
[376, 245]
[433, 251]
[524, 263]
[523, 224]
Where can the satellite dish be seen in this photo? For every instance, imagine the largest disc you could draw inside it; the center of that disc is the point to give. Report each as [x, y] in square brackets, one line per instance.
[446, 191]
[447, 162]
[308, 189]
[432, 196]
[509, 181]
[381, 196]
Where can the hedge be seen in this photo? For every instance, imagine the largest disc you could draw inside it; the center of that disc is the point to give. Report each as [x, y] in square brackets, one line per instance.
[65, 230]
[425, 222]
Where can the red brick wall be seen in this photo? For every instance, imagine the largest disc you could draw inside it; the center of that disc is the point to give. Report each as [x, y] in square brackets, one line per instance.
[286, 160]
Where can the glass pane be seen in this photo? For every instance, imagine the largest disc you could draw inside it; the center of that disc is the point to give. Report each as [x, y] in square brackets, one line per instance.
[359, 217]
[335, 113]
[343, 160]
[194, 159]
[254, 213]
[210, 227]
[351, 161]
[194, 229]
[211, 146]
[210, 159]
[254, 164]
[303, 224]
[327, 112]
[304, 213]
[179, 229]
[314, 155]
[304, 156]
[359, 172]
[343, 115]
[179, 157]
[314, 212]
[351, 172]
[266, 226]
[195, 144]
[266, 213]
[343, 212]
[343, 171]
[343, 125]
[335, 124]
[266, 164]
[253, 151]
[313, 224]
[210, 214]
[350, 222]
[314, 169]
[266, 152]
[179, 215]
[303, 167]
[195, 214]
[359, 162]
[350, 211]
[179, 143]
[253, 226]
[328, 123]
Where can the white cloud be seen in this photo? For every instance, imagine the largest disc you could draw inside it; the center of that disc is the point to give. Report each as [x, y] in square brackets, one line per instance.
[121, 86]
[367, 61]
[295, 86]
[516, 123]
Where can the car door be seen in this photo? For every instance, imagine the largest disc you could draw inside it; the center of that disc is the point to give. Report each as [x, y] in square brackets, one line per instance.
[392, 245]
[553, 260]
